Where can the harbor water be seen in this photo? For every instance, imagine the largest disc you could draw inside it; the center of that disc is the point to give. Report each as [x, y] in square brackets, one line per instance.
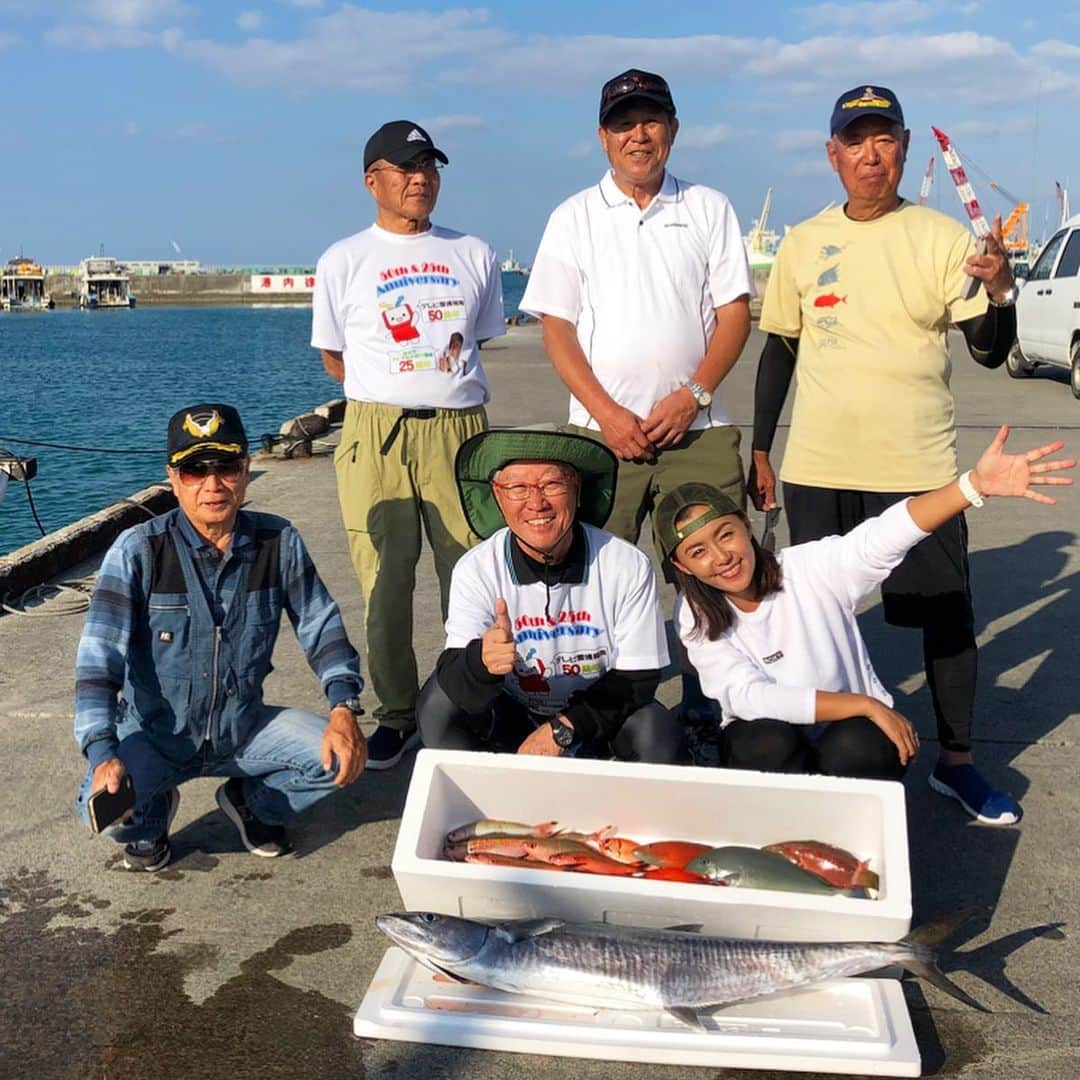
[111, 380]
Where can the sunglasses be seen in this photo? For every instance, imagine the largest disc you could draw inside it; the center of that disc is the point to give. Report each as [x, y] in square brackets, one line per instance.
[634, 84]
[195, 472]
[407, 168]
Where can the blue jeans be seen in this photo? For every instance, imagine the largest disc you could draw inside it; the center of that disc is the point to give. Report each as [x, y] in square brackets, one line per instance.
[280, 764]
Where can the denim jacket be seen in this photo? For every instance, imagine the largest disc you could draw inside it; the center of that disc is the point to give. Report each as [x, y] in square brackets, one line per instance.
[183, 655]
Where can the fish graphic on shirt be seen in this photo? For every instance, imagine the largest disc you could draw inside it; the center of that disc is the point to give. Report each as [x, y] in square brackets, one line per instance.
[830, 251]
[829, 277]
[829, 300]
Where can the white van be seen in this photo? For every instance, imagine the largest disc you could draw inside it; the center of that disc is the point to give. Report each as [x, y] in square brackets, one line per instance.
[1048, 309]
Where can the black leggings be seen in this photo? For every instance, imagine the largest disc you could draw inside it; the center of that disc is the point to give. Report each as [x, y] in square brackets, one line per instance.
[650, 734]
[853, 747]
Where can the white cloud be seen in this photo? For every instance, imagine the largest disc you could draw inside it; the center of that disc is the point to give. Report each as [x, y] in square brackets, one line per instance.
[249, 20]
[113, 24]
[701, 138]
[457, 122]
[800, 139]
[991, 128]
[583, 148]
[867, 15]
[811, 166]
[1057, 50]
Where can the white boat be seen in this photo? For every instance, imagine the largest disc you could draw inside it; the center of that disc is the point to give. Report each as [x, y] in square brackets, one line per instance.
[22, 286]
[761, 243]
[512, 266]
[104, 283]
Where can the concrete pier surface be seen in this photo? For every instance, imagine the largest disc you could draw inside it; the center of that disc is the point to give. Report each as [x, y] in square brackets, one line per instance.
[225, 965]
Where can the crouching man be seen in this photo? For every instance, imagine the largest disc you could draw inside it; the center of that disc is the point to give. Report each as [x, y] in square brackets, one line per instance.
[555, 639]
[176, 646]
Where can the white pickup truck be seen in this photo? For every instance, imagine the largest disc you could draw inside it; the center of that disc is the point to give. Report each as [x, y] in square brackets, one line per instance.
[1048, 309]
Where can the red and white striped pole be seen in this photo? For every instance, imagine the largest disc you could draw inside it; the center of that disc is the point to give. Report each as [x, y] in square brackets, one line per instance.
[966, 194]
[927, 182]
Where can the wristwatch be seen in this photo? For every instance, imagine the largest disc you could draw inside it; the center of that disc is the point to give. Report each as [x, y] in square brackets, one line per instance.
[352, 704]
[702, 396]
[969, 491]
[562, 733]
[1011, 293]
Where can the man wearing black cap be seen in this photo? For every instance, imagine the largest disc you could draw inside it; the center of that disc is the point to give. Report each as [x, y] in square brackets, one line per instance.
[555, 641]
[861, 297]
[177, 643]
[391, 304]
[644, 290]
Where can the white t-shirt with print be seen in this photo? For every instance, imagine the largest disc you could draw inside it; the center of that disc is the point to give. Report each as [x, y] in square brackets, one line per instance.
[612, 619]
[805, 638]
[641, 286]
[407, 312]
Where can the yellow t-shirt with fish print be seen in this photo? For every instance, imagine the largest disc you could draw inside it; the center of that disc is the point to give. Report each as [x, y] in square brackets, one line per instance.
[870, 302]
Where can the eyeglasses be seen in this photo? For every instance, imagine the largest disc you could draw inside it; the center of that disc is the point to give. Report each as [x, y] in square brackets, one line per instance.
[196, 472]
[634, 84]
[549, 489]
[407, 168]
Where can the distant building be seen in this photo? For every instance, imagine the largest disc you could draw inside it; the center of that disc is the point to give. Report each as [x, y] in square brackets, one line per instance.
[159, 267]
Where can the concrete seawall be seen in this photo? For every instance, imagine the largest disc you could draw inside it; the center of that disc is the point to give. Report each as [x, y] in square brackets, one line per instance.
[182, 289]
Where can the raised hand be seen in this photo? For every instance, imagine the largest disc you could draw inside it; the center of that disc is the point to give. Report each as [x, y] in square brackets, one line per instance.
[998, 473]
[498, 650]
[991, 266]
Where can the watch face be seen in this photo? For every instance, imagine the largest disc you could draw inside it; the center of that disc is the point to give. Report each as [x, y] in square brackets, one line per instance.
[704, 399]
[562, 734]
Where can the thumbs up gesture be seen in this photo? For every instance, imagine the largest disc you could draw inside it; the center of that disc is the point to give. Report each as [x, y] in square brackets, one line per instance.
[498, 650]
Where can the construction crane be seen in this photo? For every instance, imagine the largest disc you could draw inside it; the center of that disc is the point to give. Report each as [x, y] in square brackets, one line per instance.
[927, 182]
[1063, 202]
[755, 242]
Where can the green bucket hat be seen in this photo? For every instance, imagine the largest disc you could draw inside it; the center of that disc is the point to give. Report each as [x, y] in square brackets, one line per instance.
[676, 501]
[480, 457]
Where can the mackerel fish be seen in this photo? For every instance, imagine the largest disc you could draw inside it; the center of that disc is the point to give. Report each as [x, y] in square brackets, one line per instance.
[619, 967]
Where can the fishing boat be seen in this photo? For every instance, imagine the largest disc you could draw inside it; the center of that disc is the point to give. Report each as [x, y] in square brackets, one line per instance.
[22, 286]
[104, 283]
[512, 266]
[760, 242]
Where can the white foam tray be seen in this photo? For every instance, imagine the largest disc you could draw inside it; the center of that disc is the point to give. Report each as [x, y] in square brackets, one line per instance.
[849, 1026]
[652, 802]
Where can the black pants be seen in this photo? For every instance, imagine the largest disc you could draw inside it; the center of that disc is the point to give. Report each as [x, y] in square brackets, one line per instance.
[853, 747]
[930, 590]
[650, 734]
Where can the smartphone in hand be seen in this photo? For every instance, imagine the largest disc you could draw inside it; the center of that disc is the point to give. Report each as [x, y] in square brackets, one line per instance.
[105, 808]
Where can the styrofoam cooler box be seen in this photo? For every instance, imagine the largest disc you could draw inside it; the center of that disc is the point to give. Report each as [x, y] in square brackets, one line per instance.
[649, 803]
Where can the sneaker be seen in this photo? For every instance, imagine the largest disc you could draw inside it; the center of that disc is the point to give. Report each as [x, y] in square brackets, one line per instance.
[152, 855]
[984, 803]
[268, 841]
[387, 745]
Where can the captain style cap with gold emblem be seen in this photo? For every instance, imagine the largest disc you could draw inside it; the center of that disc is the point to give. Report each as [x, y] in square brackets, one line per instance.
[207, 430]
[865, 101]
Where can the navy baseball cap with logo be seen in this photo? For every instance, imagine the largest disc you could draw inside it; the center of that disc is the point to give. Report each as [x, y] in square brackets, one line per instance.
[635, 85]
[206, 431]
[400, 141]
[865, 101]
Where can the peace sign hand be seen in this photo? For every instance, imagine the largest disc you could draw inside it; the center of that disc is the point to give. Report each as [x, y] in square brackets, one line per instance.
[998, 473]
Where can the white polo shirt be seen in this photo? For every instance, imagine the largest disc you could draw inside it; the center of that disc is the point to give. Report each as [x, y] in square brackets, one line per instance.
[641, 286]
[407, 312]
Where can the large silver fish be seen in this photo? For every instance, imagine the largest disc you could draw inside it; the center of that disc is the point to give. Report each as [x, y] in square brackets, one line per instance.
[622, 967]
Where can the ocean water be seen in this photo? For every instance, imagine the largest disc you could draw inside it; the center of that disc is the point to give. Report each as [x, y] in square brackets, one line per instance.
[111, 379]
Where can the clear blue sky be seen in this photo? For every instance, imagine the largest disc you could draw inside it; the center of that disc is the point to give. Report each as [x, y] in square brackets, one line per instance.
[237, 129]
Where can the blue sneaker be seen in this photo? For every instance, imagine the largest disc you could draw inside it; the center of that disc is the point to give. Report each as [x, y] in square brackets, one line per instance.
[984, 803]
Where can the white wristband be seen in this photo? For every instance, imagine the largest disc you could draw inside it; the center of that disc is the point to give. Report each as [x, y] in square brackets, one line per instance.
[968, 490]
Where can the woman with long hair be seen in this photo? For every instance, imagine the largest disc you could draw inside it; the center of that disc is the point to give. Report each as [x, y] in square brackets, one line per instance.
[775, 639]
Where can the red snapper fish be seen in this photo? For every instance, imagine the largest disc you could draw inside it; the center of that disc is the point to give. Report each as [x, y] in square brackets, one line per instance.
[829, 300]
[674, 853]
[835, 865]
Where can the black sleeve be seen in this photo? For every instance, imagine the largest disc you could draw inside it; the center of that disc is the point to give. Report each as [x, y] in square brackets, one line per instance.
[465, 680]
[989, 337]
[775, 369]
[603, 706]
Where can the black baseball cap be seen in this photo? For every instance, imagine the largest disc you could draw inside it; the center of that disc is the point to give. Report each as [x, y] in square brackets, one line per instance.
[206, 431]
[865, 101]
[400, 141]
[635, 85]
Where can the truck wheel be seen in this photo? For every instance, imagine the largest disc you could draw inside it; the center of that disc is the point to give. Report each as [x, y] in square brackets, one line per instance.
[1016, 364]
[1074, 372]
